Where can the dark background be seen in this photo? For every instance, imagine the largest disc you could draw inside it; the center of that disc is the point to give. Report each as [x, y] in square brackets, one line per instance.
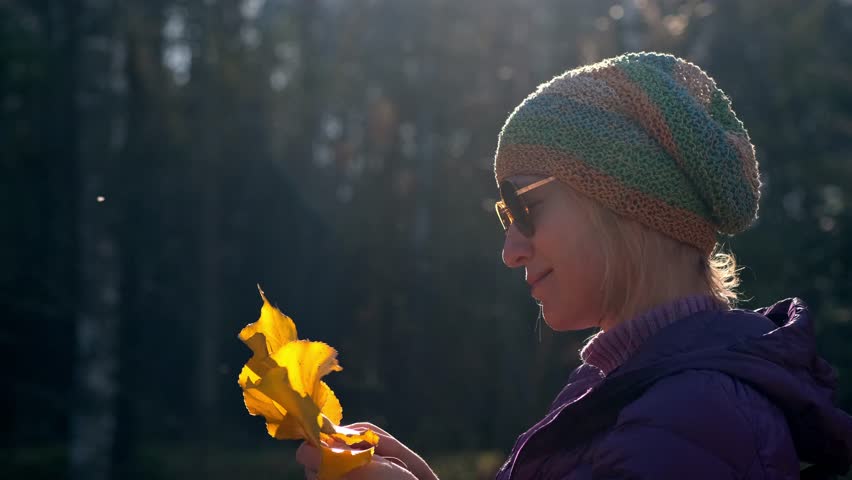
[339, 153]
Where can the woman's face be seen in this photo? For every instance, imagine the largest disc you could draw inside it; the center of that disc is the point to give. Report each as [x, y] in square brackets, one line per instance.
[563, 261]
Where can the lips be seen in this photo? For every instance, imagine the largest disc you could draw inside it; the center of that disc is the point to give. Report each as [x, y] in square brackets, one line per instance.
[535, 279]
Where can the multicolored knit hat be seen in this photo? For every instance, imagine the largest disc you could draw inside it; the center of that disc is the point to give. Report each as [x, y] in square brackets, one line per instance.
[650, 136]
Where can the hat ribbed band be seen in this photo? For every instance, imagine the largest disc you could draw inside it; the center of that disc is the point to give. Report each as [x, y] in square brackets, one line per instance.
[652, 212]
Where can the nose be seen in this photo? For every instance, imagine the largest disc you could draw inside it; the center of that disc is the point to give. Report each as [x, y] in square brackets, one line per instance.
[517, 249]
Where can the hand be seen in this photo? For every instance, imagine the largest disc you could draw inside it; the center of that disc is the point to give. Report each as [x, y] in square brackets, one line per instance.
[392, 460]
[379, 468]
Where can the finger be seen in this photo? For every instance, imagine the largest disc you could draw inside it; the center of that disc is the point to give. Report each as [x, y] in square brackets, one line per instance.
[388, 445]
[310, 474]
[380, 467]
[309, 456]
[397, 462]
[367, 426]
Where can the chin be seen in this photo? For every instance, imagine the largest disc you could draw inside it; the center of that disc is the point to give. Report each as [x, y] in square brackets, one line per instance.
[560, 320]
[556, 321]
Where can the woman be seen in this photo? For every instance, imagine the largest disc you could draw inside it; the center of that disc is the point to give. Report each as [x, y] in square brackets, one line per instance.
[615, 181]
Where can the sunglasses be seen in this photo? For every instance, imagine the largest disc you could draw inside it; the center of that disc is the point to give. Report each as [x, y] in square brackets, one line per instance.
[511, 208]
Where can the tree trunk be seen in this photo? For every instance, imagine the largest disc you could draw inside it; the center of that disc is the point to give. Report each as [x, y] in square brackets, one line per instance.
[210, 101]
[101, 127]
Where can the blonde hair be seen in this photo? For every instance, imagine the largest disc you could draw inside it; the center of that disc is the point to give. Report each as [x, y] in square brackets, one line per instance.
[644, 267]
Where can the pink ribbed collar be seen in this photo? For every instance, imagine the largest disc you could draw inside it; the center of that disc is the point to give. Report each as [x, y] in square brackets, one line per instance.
[607, 350]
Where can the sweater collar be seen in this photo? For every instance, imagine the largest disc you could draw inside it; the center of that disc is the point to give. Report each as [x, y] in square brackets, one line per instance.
[608, 350]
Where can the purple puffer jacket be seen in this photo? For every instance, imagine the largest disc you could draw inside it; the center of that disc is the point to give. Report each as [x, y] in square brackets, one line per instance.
[716, 395]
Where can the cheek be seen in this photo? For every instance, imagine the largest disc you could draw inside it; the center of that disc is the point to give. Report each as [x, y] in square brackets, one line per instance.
[572, 250]
[573, 300]
[573, 297]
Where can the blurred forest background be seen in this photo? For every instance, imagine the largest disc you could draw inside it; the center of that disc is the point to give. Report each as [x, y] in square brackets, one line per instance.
[161, 157]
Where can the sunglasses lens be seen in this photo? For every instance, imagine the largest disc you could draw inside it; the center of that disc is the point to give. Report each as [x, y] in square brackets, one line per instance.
[515, 209]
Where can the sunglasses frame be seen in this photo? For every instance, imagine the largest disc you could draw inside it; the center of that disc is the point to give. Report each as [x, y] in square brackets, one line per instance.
[521, 217]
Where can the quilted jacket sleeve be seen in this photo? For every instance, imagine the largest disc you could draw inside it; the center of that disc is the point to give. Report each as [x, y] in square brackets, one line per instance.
[697, 425]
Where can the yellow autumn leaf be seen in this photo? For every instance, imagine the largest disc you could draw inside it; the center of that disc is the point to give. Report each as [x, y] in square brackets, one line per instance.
[290, 394]
[338, 461]
[278, 424]
[282, 382]
[275, 385]
[307, 362]
[276, 328]
[349, 436]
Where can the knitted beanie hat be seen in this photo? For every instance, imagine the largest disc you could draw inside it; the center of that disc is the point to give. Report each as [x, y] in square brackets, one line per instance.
[650, 136]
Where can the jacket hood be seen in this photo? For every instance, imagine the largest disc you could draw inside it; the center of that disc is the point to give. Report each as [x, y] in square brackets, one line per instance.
[772, 349]
[801, 383]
